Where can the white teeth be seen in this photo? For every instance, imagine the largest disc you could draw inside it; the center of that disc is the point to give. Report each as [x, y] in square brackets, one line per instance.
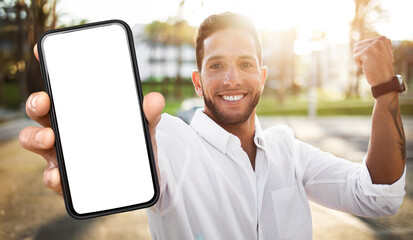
[233, 98]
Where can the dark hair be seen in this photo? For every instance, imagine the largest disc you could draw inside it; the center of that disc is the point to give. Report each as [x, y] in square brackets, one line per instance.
[222, 21]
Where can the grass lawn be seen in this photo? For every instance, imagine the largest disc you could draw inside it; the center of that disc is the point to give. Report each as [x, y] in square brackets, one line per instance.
[328, 104]
[325, 107]
[296, 107]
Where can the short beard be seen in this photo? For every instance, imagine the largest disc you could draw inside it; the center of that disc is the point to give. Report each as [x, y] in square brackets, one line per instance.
[226, 118]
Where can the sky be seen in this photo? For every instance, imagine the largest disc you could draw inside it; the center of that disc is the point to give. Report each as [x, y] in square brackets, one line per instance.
[330, 16]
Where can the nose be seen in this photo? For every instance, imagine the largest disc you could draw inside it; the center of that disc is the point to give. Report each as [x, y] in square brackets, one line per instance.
[232, 77]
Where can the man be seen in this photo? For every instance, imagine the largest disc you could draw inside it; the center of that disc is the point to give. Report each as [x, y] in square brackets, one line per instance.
[222, 177]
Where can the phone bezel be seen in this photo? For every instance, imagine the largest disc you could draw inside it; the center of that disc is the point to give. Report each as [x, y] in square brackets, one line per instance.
[53, 121]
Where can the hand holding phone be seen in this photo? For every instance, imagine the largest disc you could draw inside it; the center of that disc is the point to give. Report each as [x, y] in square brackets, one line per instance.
[38, 107]
[97, 198]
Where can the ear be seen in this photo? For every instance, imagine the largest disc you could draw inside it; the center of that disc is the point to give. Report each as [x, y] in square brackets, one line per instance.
[263, 77]
[196, 80]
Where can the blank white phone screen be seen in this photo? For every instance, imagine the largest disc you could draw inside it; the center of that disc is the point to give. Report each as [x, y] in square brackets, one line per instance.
[98, 116]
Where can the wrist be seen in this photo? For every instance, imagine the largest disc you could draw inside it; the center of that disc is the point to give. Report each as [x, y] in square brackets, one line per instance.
[388, 97]
[387, 102]
[394, 85]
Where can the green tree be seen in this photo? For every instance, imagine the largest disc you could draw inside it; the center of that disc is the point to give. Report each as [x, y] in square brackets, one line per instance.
[21, 25]
[22, 22]
[42, 17]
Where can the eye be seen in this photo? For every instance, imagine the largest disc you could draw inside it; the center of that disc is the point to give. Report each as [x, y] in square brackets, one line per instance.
[216, 66]
[246, 65]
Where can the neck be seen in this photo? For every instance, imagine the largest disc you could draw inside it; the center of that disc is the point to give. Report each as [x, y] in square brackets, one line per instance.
[245, 131]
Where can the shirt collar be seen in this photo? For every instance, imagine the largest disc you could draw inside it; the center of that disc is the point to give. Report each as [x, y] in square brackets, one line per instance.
[219, 137]
[259, 136]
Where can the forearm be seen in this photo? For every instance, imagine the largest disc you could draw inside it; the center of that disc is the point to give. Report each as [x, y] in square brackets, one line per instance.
[346, 186]
[386, 154]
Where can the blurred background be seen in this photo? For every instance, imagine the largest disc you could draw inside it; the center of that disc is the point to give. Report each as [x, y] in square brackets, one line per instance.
[313, 85]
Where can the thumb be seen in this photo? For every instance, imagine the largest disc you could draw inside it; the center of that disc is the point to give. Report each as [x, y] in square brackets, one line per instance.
[36, 54]
[153, 104]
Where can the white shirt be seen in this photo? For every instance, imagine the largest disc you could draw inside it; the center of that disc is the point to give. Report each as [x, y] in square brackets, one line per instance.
[210, 191]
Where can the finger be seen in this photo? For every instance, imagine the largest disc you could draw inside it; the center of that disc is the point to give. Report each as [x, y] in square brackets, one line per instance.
[357, 59]
[153, 104]
[37, 108]
[51, 178]
[383, 44]
[36, 54]
[362, 44]
[39, 140]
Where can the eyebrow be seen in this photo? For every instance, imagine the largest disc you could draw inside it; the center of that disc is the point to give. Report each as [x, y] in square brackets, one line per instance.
[213, 58]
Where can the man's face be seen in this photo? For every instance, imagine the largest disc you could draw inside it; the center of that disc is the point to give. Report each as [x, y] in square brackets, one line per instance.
[231, 80]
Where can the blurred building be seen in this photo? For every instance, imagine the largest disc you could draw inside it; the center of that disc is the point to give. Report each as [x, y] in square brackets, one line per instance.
[158, 61]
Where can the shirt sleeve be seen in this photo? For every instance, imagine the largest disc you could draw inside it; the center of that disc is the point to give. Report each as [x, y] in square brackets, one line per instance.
[346, 186]
[164, 196]
[172, 161]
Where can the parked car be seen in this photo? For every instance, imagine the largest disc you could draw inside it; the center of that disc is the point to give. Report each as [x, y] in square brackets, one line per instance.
[188, 108]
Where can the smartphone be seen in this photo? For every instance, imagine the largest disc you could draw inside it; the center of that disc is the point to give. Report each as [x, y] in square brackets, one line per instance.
[103, 144]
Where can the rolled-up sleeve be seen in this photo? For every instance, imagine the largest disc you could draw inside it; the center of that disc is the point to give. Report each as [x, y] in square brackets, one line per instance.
[346, 186]
[388, 197]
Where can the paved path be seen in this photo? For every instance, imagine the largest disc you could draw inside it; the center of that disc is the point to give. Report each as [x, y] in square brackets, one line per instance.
[30, 211]
[11, 129]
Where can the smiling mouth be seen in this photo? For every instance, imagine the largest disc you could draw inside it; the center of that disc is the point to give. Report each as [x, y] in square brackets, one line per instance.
[232, 98]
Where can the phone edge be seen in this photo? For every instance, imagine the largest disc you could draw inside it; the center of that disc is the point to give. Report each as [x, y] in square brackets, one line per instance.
[53, 122]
